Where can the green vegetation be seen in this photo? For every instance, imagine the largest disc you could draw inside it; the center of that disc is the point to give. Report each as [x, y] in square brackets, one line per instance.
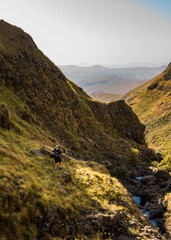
[132, 157]
[29, 186]
[152, 103]
[166, 162]
[60, 106]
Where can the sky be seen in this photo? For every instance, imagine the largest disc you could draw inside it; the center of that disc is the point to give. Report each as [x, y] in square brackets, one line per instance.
[106, 32]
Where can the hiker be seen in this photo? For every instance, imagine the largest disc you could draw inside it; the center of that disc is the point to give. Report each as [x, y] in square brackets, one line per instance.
[57, 155]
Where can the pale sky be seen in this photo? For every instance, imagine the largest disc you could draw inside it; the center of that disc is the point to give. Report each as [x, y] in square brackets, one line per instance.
[95, 31]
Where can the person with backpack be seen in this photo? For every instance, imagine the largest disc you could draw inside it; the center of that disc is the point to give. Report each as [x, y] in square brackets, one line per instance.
[57, 155]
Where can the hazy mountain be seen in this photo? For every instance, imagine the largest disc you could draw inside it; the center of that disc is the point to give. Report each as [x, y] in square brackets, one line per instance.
[106, 97]
[112, 84]
[77, 73]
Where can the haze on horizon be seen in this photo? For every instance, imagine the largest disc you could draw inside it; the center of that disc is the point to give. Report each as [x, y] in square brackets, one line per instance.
[111, 32]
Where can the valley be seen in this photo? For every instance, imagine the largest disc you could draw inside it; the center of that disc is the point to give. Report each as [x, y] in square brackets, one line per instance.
[108, 161]
[101, 82]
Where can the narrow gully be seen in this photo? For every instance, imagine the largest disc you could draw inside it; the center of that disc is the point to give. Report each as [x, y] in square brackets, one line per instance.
[137, 199]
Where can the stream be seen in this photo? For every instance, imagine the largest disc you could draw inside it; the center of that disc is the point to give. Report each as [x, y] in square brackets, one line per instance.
[144, 211]
[137, 199]
[148, 186]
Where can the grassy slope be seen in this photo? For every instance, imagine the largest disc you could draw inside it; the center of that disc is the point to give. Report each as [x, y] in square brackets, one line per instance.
[61, 106]
[46, 108]
[29, 185]
[153, 107]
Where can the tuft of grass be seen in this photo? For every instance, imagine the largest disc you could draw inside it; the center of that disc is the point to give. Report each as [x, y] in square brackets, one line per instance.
[166, 163]
[132, 157]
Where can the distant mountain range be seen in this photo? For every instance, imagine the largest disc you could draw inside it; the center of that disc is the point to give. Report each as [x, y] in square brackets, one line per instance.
[77, 74]
[100, 79]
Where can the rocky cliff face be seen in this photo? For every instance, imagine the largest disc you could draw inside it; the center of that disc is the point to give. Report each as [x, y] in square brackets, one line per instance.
[59, 104]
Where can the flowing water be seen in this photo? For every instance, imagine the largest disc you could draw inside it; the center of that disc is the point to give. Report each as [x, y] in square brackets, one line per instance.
[137, 199]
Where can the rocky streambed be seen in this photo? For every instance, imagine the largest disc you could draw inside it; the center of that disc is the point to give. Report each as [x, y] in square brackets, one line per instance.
[149, 186]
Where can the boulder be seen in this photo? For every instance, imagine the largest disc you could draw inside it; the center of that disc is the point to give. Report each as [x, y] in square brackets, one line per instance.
[44, 151]
[147, 178]
[163, 184]
[108, 223]
[162, 175]
[156, 212]
[107, 164]
[89, 164]
[131, 174]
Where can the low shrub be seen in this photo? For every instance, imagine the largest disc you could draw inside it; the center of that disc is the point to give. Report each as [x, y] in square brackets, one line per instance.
[132, 157]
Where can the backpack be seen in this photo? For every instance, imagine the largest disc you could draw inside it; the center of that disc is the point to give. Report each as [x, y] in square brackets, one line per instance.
[54, 154]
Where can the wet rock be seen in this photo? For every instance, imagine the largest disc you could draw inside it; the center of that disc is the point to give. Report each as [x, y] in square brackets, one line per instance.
[160, 223]
[131, 174]
[162, 175]
[148, 178]
[156, 212]
[163, 184]
[136, 182]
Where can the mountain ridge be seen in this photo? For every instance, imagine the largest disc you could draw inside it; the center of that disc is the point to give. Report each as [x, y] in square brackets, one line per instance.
[77, 73]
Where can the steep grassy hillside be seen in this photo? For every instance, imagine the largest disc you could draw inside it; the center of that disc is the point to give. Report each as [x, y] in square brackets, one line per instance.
[39, 108]
[80, 201]
[152, 103]
[81, 123]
